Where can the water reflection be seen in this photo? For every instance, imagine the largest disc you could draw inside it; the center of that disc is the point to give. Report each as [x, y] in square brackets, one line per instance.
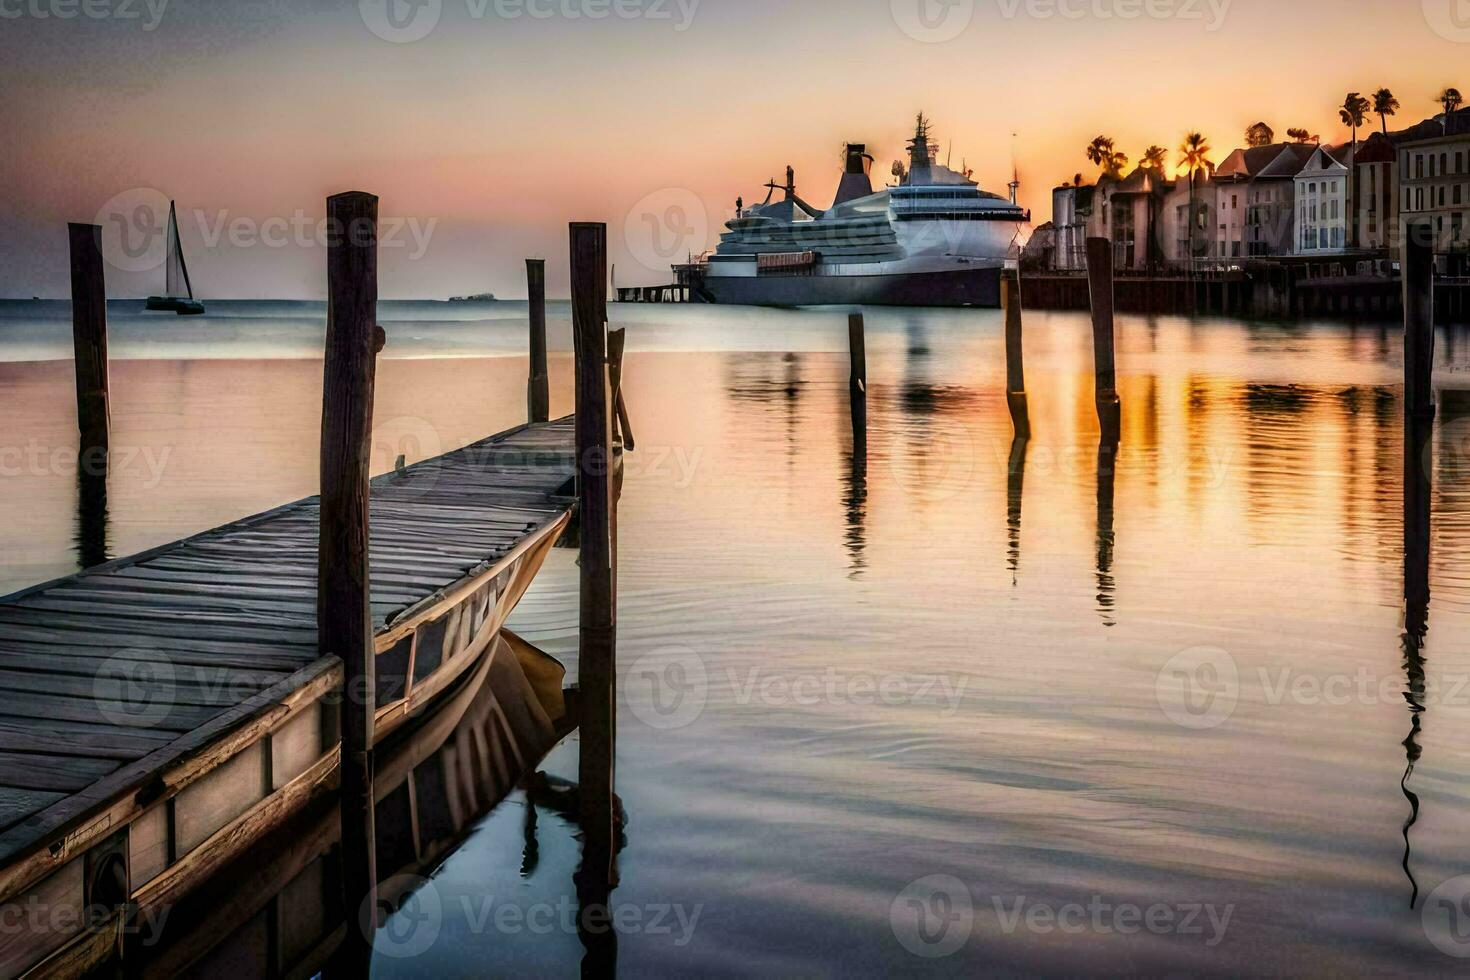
[91, 534]
[1015, 486]
[1417, 502]
[1107, 587]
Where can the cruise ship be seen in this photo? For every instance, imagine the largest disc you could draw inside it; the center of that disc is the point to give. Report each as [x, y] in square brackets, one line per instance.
[933, 239]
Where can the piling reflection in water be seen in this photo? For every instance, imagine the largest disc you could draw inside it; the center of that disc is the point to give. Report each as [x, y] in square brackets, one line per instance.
[1015, 487]
[91, 536]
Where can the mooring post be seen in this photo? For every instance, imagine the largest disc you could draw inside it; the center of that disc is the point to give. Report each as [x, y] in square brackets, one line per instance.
[1010, 298]
[538, 392]
[597, 624]
[1100, 296]
[1419, 411]
[344, 615]
[857, 389]
[89, 338]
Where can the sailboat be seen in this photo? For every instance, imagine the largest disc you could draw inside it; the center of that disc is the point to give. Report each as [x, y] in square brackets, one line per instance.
[176, 273]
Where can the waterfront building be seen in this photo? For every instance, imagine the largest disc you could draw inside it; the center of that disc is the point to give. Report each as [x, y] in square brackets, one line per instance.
[1434, 177]
[1377, 208]
[1321, 195]
[1270, 218]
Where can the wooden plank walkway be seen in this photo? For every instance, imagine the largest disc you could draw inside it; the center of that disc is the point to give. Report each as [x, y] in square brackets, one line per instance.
[115, 673]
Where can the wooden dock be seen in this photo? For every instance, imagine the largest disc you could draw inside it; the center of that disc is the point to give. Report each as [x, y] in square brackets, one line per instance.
[161, 709]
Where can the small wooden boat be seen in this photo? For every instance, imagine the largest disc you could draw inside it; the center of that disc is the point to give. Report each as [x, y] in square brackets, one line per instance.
[176, 274]
[458, 540]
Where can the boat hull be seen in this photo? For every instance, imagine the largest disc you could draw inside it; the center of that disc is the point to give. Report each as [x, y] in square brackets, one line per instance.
[957, 287]
[171, 304]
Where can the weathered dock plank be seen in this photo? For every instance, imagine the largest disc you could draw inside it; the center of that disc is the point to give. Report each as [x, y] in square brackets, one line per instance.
[115, 673]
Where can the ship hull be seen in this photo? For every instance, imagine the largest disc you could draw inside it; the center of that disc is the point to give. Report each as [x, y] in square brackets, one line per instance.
[958, 287]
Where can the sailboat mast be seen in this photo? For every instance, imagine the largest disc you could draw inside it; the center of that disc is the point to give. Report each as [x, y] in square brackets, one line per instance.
[177, 249]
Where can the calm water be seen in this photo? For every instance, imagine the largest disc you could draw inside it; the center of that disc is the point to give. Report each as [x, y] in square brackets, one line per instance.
[1158, 724]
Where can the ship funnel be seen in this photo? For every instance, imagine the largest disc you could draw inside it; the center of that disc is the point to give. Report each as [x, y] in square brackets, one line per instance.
[855, 180]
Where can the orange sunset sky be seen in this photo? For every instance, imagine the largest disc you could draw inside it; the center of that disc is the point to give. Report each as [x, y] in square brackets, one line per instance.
[508, 118]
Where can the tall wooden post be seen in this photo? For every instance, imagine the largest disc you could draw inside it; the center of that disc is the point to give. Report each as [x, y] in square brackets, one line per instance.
[1100, 296]
[597, 626]
[1419, 411]
[538, 394]
[1418, 276]
[89, 337]
[1010, 298]
[344, 616]
[857, 389]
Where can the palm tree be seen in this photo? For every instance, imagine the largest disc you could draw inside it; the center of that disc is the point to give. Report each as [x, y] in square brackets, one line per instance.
[1260, 135]
[1100, 152]
[1451, 99]
[1385, 105]
[1354, 112]
[1155, 158]
[1194, 157]
[1303, 135]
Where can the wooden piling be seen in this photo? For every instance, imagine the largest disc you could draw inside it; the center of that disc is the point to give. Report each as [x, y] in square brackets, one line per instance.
[89, 338]
[1418, 275]
[1100, 297]
[538, 391]
[1419, 411]
[1010, 294]
[344, 615]
[616, 344]
[597, 625]
[857, 388]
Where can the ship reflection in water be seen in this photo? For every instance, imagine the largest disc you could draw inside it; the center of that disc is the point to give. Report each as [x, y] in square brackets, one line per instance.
[953, 656]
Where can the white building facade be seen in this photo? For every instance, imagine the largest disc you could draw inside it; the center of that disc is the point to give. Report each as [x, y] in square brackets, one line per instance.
[1321, 205]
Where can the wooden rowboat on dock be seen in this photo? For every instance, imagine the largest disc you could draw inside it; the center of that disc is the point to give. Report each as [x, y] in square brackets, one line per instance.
[169, 709]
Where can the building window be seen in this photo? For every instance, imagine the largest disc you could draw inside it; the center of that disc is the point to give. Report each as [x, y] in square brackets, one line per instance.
[1419, 165]
[1459, 161]
[1444, 163]
[1459, 193]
